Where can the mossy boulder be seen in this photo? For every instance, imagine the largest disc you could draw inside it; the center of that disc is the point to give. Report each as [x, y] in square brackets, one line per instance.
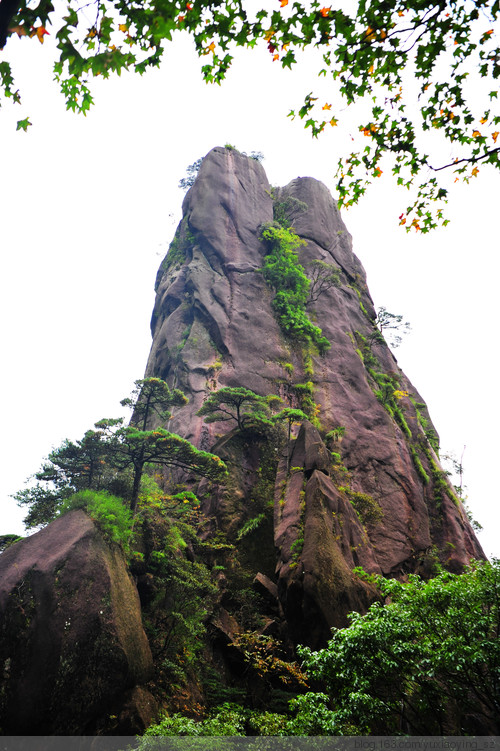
[71, 636]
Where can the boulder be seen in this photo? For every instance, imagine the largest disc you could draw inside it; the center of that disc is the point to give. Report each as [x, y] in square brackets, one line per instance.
[71, 637]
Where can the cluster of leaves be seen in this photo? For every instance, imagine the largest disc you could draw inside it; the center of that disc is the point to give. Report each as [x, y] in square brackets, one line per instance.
[229, 719]
[108, 512]
[367, 508]
[284, 208]
[238, 404]
[322, 277]
[286, 276]
[426, 663]
[265, 656]
[248, 410]
[410, 62]
[191, 173]
[106, 457]
[390, 323]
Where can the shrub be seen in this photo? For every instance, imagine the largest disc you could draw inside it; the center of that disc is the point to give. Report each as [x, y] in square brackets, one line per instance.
[108, 512]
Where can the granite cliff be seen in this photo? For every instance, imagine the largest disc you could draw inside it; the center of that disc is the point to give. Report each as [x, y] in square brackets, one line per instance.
[350, 478]
[366, 487]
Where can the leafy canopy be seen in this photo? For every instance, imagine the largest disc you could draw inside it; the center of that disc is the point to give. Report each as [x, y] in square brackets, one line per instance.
[113, 451]
[426, 663]
[409, 68]
[240, 405]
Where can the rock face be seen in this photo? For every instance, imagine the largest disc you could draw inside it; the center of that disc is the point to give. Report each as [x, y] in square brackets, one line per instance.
[362, 488]
[72, 646]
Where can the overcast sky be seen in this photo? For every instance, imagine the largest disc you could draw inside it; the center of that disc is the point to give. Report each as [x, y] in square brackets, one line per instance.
[89, 206]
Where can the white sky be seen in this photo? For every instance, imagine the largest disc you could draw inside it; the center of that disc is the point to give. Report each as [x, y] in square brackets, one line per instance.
[89, 206]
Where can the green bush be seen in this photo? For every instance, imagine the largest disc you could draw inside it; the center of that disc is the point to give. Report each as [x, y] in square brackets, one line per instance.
[426, 663]
[283, 272]
[108, 512]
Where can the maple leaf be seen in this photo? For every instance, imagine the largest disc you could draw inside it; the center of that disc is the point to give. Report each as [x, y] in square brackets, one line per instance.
[402, 219]
[483, 120]
[39, 32]
[325, 12]
[476, 134]
[210, 48]
[181, 19]
[377, 172]
[23, 124]
[401, 12]
[495, 136]
[283, 3]
[276, 57]
[269, 34]
[327, 107]
[333, 122]
[475, 171]
[123, 27]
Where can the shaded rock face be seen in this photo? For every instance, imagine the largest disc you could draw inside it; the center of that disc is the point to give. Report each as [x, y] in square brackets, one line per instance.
[72, 644]
[213, 326]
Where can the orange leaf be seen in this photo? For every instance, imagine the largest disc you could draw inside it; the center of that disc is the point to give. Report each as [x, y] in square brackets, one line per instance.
[383, 34]
[40, 32]
[327, 107]
[276, 57]
[475, 171]
[123, 27]
[369, 34]
[333, 122]
[325, 12]
[488, 32]
[283, 3]
[401, 13]
[495, 136]
[476, 134]
[377, 172]
[92, 33]
[181, 19]
[483, 120]
[19, 30]
[269, 34]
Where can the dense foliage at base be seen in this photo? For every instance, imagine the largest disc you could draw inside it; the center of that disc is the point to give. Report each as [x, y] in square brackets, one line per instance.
[425, 663]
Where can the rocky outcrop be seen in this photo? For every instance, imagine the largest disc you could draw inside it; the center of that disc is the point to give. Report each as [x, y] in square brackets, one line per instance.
[72, 647]
[213, 326]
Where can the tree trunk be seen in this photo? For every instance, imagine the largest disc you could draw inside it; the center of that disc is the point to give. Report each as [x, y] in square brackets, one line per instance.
[136, 487]
[8, 9]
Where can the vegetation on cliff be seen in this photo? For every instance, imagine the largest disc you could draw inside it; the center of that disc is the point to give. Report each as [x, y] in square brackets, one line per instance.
[286, 276]
[425, 663]
[114, 456]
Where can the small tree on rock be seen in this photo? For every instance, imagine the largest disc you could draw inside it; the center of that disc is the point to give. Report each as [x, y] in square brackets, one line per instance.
[240, 405]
